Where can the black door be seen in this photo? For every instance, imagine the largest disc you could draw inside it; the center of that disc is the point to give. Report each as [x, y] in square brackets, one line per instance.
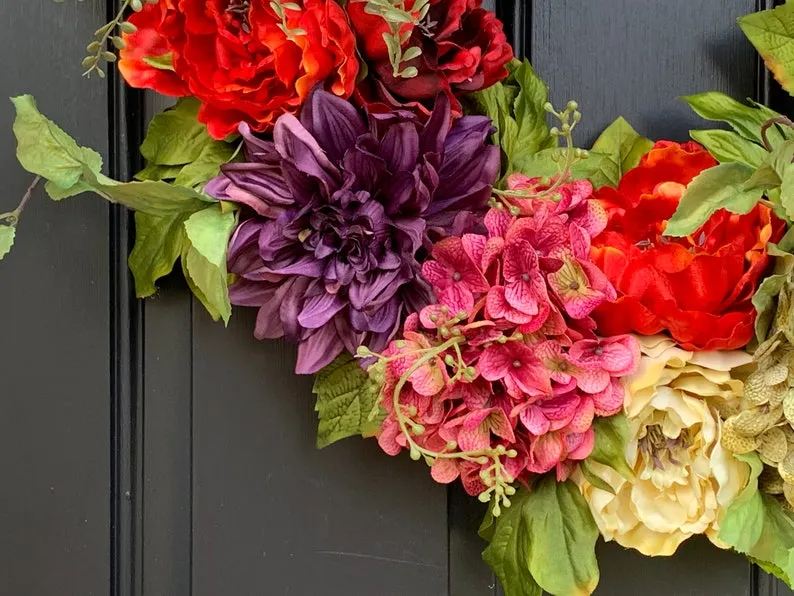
[131, 465]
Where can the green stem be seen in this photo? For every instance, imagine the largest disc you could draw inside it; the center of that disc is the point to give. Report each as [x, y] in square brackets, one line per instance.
[499, 481]
[13, 216]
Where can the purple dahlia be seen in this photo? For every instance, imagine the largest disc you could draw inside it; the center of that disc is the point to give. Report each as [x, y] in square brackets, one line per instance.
[338, 211]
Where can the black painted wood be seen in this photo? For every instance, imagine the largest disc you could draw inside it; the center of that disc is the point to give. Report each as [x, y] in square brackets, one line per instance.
[149, 451]
[55, 344]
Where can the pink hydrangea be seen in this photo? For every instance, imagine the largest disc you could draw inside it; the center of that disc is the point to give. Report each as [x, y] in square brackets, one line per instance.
[523, 373]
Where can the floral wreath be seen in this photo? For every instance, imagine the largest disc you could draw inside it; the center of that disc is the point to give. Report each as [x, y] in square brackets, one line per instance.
[593, 342]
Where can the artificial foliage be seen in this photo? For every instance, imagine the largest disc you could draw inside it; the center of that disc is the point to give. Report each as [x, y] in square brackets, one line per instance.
[595, 342]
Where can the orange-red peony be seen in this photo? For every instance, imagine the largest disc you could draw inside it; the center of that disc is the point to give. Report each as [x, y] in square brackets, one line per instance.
[237, 59]
[698, 288]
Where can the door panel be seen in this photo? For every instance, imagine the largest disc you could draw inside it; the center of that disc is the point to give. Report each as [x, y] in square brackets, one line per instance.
[151, 451]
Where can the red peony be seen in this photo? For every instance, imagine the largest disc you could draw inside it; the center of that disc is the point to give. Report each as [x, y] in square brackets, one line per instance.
[698, 288]
[464, 49]
[235, 57]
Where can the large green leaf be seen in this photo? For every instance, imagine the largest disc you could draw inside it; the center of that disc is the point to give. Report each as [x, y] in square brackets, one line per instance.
[347, 401]
[729, 146]
[516, 107]
[619, 148]
[744, 119]
[611, 438]
[545, 540]
[175, 136]
[720, 187]
[204, 258]
[772, 34]
[46, 150]
[206, 166]
[158, 244]
[757, 525]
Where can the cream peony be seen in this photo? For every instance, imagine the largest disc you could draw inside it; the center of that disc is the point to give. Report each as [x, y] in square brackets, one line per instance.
[684, 478]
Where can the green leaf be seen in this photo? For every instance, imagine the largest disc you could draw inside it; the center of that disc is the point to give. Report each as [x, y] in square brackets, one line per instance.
[7, 234]
[204, 258]
[156, 172]
[728, 146]
[623, 147]
[45, 150]
[347, 401]
[720, 187]
[154, 198]
[158, 244]
[757, 525]
[745, 120]
[161, 62]
[206, 166]
[175, 136]
[772, 34]
[787, 191]
[744, 518]
[587, 471]
[545, 540]
[516, 107]
[609, 449]
[766, 295]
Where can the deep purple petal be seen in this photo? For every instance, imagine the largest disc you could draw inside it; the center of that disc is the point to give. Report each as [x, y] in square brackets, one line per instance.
[296, 145]
[400, 147]
[320, 309]
[333, 121]
[318, 350]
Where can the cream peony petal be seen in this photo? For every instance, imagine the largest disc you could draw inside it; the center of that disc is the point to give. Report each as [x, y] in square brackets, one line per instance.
[685, 480]
[719, 360]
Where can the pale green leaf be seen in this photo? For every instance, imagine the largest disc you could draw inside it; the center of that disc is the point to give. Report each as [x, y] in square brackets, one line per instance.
[744, 520]
[46, 150]
[787, 191]
[7, 234]
[158, 244]
[545, 540]
[515, 106]
[720, 187]
[204, 258]
[609, 449]
[765, 296]
[729, 146]
[161, 62]
[206, 166]
[772, 34]
[155, 172]
[347, 401]
[623, 147]
[175, 136]
[744, 119]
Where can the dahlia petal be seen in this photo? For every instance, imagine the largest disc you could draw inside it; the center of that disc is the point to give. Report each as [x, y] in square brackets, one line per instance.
[318, 310]
[318, 350]
[333, 121]
[295, 144]
[400, 147]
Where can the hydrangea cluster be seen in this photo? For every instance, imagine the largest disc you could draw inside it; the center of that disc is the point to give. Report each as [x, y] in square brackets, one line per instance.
[503, 376]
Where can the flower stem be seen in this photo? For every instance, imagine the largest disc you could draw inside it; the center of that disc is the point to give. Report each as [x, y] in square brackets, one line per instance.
[495, 477]
[12, 217]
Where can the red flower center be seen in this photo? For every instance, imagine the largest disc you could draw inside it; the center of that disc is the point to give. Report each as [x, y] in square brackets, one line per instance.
[516, 364]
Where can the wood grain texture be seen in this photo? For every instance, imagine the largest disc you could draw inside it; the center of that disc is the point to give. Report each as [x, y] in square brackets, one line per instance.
[54, 348]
